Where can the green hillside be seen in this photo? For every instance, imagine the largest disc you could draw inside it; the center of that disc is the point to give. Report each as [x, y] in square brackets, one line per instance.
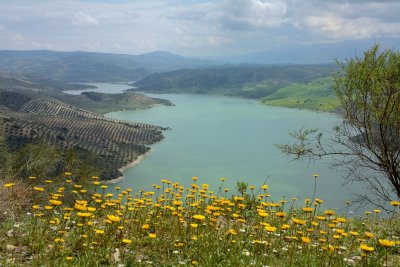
[316, 95]
[31, 114]
[293, 86]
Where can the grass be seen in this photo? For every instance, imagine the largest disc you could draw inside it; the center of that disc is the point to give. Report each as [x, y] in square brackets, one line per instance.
[315, 95]
[72, 224]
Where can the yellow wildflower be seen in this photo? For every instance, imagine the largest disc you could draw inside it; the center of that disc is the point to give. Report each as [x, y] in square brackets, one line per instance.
[330, 212]
[395, 203]
[299, 221]
[37, 188]
[369, 235]
[113, 218]
[270, 228]
[126, 241]
[231, 232]
[55, 202]
[264, 187]
[80, 207]
[84, 214]
[305, 239]
[9, 185]
[307, 209]
[366, 248]
[386, 243]
[281, 214]
[152, 235]
[199, 217]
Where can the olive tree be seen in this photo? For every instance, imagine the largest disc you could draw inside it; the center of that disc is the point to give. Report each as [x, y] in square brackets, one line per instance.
[366, 144]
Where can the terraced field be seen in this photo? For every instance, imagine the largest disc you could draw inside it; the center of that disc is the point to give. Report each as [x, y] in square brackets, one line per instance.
[28, 116]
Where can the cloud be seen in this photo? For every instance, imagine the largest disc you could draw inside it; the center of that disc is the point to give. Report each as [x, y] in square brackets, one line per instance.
[338, 28]
[191, 27]
[81, 18]
[16, 41]
[250, 15]
[342, 20]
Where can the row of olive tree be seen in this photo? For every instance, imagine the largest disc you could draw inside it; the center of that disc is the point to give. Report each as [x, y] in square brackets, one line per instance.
[41, 160]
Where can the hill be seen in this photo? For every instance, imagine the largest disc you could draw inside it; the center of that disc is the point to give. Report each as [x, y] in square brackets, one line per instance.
[30, 114]
[163, 72]
[317, 94]
[249, 81]
[88, 66]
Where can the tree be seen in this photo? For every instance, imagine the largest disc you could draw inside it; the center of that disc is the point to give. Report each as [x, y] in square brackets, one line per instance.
[366, 144]
[5, 157]
[35, 159]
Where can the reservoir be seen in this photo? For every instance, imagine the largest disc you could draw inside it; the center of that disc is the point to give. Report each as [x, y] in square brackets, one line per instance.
[213, 137]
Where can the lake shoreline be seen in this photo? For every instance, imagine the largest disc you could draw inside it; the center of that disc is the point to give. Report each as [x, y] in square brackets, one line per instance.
[128, 166]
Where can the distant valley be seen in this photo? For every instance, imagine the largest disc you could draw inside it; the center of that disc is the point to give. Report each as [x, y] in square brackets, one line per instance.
[287, 85]
[295, 86]
[34, 109]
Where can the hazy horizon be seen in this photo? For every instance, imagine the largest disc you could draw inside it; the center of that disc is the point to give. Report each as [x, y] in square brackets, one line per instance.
[195, 28]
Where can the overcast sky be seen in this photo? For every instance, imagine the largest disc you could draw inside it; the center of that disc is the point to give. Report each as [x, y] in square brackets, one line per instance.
[192, 27]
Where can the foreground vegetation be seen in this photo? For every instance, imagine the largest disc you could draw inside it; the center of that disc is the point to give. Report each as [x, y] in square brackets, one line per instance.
[74, 222]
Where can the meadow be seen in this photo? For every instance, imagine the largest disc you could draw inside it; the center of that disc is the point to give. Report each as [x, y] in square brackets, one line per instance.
[79, 222]
[317, 95]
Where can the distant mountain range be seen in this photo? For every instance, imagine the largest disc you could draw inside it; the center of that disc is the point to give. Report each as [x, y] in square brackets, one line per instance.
[309, 54]
[87, 66]
[105, 67]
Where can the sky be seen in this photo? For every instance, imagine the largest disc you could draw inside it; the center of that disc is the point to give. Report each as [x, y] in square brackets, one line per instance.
[192, 27]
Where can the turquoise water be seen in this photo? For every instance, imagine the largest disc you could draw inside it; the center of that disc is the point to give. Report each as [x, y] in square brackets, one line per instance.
[109, 88]
[214, 137]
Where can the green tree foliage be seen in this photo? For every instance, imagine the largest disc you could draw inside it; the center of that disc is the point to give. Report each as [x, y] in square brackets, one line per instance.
[5, 158]
[367, 142]
[38, 159]
[81, 163]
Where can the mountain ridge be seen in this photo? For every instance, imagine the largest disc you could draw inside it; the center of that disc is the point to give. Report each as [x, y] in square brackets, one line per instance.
[80, 66]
